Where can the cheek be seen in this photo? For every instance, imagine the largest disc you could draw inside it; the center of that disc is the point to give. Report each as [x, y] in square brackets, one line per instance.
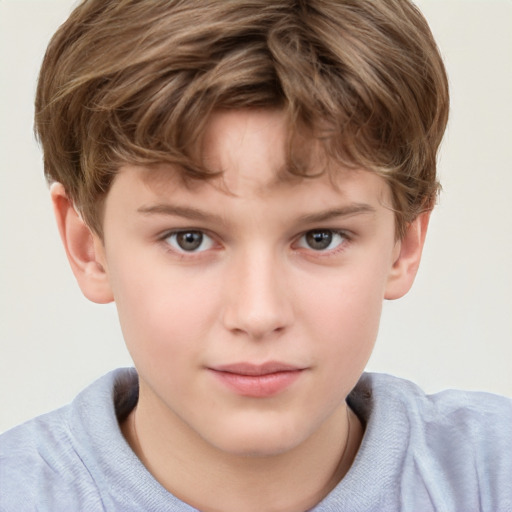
[349, 335]
[350, 296]
[162, 312]
[344, 311]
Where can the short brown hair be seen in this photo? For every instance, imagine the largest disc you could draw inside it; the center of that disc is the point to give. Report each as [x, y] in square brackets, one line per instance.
[135, 81]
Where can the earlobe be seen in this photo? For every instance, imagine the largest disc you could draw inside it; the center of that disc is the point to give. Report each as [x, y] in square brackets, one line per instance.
[407, 261]
[84, 248]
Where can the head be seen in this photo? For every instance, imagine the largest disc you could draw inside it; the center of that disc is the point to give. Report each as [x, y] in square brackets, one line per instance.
[136, 82]
[252, 179]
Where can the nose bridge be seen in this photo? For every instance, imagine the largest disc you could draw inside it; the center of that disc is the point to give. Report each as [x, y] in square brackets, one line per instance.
[257, 302]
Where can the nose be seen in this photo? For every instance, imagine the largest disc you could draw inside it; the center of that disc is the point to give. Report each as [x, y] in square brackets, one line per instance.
[258, 301]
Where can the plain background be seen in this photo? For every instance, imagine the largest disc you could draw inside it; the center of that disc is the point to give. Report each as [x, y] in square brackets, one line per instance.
[453, 330]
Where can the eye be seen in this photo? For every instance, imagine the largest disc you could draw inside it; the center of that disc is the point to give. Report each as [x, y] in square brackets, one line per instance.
[322, 239]
[189, 241]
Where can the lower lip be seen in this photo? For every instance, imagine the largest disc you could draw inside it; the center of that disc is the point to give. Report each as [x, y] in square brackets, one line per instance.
[258, 386]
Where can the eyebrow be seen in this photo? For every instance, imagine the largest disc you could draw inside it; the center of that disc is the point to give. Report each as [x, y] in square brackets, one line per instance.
[200, 215]
[186, 212]
[346, 211]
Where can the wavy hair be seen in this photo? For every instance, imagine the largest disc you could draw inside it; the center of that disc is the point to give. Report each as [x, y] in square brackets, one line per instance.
[135, 81]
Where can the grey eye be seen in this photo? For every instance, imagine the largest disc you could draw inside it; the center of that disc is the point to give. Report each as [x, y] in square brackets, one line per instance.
[189, 241]
[319, 239]
[322, 239]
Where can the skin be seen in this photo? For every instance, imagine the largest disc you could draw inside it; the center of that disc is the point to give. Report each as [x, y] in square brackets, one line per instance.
[255, 290]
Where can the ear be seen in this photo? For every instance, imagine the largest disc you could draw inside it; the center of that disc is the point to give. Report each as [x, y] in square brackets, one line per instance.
[407, 259]
[84, 248]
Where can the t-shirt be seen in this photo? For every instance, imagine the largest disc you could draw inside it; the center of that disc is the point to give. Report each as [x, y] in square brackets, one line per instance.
[447, 452]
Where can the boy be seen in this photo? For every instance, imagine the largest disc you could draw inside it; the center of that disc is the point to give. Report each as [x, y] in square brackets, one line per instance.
[248, 181]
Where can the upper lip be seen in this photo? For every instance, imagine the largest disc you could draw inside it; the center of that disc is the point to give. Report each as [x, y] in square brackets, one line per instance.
[256, 369]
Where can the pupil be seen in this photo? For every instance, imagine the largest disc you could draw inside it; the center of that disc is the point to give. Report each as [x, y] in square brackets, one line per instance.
[189, 240]
[319, 239]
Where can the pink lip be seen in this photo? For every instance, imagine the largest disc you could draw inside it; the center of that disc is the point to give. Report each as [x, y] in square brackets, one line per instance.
[257, 381]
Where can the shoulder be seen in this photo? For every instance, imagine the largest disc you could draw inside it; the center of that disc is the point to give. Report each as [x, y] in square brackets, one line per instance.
[44, 463]
[472, 414]
[452, 449]
[39, 463]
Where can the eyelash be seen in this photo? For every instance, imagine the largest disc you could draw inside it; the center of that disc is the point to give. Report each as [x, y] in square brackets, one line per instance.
[346, 239]
[174, 248]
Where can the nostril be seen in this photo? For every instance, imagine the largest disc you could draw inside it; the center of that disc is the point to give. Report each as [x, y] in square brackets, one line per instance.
[255, 326]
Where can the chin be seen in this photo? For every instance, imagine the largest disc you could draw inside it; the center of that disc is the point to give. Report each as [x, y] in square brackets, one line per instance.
[267, 439]
[262, 448]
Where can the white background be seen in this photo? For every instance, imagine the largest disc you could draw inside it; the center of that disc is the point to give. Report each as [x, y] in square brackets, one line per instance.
[454, 329]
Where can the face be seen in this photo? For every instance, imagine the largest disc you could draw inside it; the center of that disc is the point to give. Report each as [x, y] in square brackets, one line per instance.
[250, 306]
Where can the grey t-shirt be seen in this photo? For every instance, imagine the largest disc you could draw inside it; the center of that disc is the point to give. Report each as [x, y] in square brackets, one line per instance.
[446, 452]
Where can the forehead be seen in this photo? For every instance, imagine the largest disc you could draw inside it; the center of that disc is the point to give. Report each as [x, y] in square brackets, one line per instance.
[253, 150]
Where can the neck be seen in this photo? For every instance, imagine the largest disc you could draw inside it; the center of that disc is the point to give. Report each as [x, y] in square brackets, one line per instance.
[213, 480]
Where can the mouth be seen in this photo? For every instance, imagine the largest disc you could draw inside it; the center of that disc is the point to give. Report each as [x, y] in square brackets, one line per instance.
[257, 380]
